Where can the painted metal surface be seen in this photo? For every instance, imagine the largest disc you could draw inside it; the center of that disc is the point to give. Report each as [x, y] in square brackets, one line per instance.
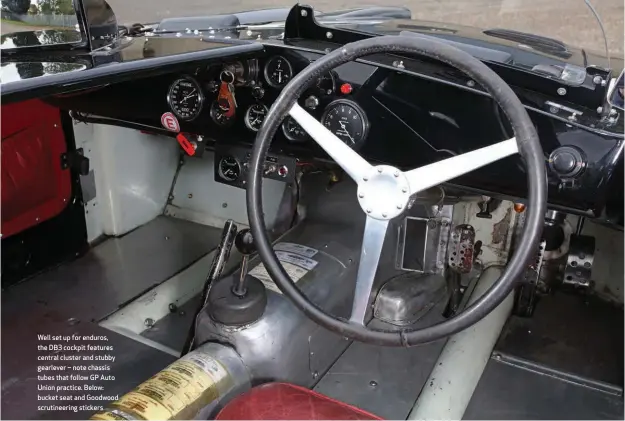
[455, 376]
[512, 393]
[383, 380]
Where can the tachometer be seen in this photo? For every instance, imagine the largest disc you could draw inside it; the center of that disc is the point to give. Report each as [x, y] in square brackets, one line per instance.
[347, 121]
[254, 116]
[229, 168]
[293, 131]
[278, 72]
[185, 98]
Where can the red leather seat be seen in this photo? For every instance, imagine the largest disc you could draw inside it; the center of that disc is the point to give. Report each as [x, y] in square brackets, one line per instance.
[283, 401]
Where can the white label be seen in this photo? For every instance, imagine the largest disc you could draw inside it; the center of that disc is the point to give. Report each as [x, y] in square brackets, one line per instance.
[295, 266]
[207, 363]
[296, 248]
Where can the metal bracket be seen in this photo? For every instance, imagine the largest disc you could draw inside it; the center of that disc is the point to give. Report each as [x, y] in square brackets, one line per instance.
[76, 161]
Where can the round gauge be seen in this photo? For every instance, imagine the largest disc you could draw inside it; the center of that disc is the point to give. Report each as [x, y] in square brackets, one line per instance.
[293, 131]
[185, 98]
[218, 112]
[229, 168]
[347, 121]
[254, 116]
[278, 72]
[326, 84]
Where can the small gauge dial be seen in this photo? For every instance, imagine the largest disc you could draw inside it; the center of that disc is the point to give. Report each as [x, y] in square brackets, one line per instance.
[254, 116]
[347, 121]
[293, 131]
[218, 113]
[278, 72]
[326, 84]
[229, 168]
[185, 98]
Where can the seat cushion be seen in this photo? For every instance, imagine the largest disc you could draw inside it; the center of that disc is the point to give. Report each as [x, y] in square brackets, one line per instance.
[283, 401]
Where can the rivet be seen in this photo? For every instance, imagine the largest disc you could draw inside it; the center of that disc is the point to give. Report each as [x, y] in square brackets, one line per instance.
[149, 322]
[404, 190]
[72, 321]
[399, 206]
[597, 80]
[329, 35]
[304, 13]
[380, 170]
[361, 195]
[315, 375]
[396, 174]
[561, 91]
[368, 210]
[373, 383]
[599, 110]
[384, 215]
[365, 178]
[470, 83]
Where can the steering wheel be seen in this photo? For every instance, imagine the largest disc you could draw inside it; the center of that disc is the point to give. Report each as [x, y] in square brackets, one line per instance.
[384, 191]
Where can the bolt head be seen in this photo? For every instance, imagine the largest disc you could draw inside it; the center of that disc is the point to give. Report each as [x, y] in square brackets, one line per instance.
[329, 35]
[365, 178]
[361, 195]
[396, 174]
[368, 210]
[561, 91]
[404, 190]
[380, 170]
[384, 215]
[599, 110]
[399, 206]
[304, 13]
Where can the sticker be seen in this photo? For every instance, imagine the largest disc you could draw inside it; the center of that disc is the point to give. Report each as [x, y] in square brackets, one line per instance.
[177, 391]
[296, 248]
[111, 415]
[295, 266]
[170, 122]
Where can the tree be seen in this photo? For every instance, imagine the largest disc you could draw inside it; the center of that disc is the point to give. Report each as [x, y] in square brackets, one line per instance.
[56, 7]
[19, 7]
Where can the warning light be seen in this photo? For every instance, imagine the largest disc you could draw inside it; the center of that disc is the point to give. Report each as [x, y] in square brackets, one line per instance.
[519, 207]
[346, 89]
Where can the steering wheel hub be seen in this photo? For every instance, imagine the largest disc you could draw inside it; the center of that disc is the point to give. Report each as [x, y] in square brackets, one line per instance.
[384, 192]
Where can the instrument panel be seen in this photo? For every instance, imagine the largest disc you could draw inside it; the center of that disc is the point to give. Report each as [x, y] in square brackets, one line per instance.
[239, 95]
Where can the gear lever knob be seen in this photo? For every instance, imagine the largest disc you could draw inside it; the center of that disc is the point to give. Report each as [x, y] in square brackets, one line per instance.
[244, 242]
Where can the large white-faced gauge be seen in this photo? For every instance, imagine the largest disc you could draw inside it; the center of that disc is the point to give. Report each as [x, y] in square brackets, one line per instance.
[254, 116]
[278, 72]
[347, 121]
[185, 98]
[229, 168]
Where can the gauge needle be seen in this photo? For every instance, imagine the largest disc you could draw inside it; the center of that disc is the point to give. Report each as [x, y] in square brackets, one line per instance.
[188, 96]
[346, 132]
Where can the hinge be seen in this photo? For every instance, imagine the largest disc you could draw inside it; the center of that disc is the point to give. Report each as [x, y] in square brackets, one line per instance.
[76, 161]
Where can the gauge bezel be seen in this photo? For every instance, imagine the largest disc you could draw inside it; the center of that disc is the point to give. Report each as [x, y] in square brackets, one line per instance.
[212, 112]
[333, 78]
[246, 117]
[266, 74]
[289, 136]
[222, 175]
[201, 97]
[359, 111]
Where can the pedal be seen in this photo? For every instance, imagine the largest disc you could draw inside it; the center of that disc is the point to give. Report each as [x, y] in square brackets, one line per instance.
[461, 249]
[579, 262]
[526, 295]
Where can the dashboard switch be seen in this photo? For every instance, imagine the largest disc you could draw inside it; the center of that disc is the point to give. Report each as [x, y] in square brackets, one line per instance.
[567, 161]
[312, 102]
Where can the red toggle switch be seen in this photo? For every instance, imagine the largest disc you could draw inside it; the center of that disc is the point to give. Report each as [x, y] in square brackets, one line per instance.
[187, 146]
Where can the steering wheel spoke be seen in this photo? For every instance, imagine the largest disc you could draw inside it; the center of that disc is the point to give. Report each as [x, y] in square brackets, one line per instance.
[434, 174]
[372, 242]
[353, 164]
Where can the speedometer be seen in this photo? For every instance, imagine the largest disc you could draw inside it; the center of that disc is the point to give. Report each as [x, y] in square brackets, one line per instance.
[347, 121]
[185, 98]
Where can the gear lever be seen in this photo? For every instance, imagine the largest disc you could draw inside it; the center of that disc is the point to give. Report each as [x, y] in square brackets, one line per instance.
[244, 242]
[241, 298]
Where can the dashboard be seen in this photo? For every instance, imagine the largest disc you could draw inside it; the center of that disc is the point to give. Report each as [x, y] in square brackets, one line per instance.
[406, 116]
